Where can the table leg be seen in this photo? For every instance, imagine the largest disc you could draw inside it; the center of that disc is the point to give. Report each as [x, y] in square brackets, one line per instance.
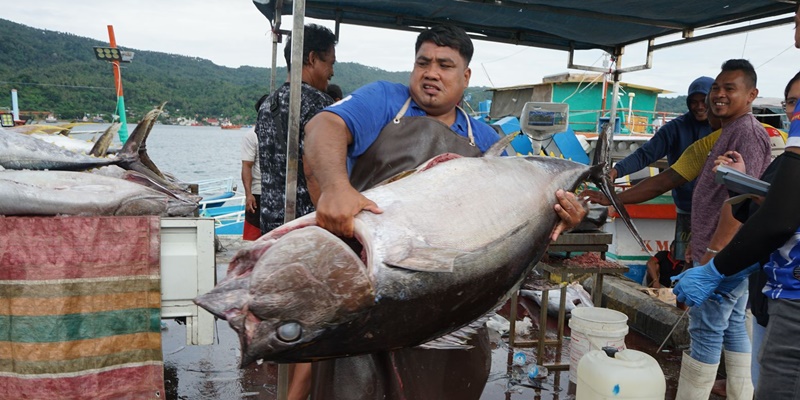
[597, 291]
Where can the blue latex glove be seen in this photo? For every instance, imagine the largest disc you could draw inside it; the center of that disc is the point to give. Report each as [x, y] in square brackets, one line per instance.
[696, 285]
[729, 283]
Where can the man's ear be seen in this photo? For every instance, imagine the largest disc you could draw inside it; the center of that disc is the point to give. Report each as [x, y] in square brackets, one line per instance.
[467, 75]
[312, 57]
[753, 95]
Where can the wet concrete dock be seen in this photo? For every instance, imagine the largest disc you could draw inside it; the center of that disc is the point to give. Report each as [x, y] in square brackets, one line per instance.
[212, 372]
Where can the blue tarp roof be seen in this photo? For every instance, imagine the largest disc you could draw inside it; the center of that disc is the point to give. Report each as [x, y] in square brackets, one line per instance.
[554, 24]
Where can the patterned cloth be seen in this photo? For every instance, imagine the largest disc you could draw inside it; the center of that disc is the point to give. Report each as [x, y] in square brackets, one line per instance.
[80, 308]
[272, 153]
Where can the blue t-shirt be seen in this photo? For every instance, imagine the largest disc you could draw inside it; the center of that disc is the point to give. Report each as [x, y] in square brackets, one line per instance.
[783, 270]
[794, 128]
[368, 109]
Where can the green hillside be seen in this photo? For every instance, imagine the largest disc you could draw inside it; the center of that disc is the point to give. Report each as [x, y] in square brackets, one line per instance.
[57, 72]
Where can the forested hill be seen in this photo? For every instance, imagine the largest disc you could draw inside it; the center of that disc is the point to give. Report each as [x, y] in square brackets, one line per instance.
[58, 72]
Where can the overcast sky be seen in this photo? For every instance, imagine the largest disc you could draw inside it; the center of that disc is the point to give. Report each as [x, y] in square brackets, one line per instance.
[233, 33]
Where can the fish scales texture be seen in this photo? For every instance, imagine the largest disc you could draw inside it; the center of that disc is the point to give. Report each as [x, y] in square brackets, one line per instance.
[18, 151]
[453, 240]
[75, 193]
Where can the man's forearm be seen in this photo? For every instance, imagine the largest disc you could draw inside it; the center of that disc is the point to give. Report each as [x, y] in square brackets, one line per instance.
[247, 177]
[726, 228]
[652, 187]
[324, 161]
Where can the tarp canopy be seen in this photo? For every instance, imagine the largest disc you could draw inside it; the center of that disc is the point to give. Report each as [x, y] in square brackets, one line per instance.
[553, 24]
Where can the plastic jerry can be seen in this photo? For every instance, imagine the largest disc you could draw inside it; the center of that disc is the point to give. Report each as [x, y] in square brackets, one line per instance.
[626, 374]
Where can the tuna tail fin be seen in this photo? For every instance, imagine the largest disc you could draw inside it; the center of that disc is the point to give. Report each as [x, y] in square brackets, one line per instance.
[598, 174]
[134, 152]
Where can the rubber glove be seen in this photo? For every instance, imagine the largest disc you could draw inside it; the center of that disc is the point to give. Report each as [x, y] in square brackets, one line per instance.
[696, 285]
[729, 283]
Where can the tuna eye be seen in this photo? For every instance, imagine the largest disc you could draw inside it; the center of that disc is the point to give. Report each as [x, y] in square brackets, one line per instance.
[289, 332]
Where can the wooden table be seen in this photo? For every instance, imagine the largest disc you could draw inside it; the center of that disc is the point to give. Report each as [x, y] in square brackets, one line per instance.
[596, 241]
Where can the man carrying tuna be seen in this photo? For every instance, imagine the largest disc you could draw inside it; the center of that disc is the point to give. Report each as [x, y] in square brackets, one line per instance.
[378, 131]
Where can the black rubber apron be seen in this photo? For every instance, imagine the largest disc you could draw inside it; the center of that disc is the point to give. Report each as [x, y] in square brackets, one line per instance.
[412, 373]
[407, 142]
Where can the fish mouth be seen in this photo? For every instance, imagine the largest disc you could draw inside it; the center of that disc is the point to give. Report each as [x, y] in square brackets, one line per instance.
[309, 277]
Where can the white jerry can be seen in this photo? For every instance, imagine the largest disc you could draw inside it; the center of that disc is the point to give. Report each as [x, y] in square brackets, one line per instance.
[626, 374]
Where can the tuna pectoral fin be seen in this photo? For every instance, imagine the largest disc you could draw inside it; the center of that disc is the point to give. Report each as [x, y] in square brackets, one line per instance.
[424, 258]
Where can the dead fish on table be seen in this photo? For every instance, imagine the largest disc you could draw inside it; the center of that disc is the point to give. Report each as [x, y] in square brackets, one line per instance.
[19, 151]
[98, 148]
[454, 239]
[577, 296]
[76, 193]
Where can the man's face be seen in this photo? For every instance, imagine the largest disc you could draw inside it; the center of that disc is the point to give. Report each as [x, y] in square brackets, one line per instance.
[321, 68]
[697, 106]
[731, 96]
[439, 78]
[791, 99]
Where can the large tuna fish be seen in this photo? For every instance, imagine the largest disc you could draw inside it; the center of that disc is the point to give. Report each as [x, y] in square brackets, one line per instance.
[20, 151]
[81, 193]
[454, 238]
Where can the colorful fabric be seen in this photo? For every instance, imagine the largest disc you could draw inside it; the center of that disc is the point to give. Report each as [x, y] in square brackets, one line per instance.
[80, 308]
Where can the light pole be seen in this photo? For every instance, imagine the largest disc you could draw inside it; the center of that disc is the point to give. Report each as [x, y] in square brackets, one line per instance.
[631, 95]
[115, 56]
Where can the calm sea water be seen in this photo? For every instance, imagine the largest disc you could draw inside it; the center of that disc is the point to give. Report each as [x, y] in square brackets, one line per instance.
[191, 153]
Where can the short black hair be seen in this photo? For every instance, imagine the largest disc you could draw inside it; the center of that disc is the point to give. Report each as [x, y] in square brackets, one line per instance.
[316, 38]
[334, 91]
[744, 66]
[448, 36]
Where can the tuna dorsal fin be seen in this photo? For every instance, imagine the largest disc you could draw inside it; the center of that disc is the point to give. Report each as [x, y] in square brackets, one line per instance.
[421, 257]
[500, 145]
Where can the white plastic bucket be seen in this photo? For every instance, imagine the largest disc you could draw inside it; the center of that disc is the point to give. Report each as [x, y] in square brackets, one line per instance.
[592, 329]
[628, 374]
